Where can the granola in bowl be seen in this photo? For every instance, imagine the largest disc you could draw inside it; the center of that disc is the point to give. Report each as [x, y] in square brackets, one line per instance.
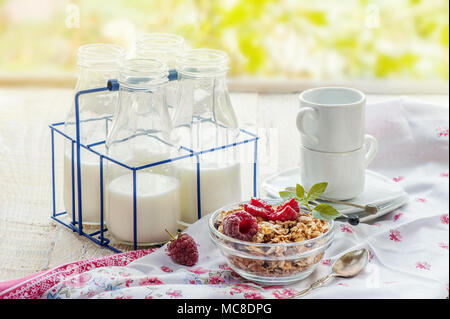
[279, 250]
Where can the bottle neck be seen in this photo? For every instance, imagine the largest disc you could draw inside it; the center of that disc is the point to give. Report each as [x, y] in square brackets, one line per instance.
[100, 56]
[203, 63]
[98, 63]
[89, 78]
[143, 75]
[163, 47]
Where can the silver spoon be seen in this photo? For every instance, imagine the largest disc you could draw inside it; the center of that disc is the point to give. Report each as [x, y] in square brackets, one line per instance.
[346, 266]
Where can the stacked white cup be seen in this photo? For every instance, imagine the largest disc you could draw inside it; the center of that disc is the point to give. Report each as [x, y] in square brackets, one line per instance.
[334, 147]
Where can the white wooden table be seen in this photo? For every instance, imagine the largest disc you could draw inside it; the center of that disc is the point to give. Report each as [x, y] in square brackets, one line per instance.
[29, 240]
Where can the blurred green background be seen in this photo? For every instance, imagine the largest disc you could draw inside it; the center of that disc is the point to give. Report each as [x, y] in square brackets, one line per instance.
[320, 39]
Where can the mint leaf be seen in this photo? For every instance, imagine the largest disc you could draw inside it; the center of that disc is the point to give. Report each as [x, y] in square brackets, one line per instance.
[300, 191]
[325, 212]
[322, 211]
[285, 195]
[318, 215]
[316, 190]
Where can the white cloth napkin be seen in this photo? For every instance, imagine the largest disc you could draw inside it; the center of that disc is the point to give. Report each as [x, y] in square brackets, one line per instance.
[408, 247]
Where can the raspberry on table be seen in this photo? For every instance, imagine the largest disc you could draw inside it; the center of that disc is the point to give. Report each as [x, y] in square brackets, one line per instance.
[183, 250]
[285, 214]
[240, 225]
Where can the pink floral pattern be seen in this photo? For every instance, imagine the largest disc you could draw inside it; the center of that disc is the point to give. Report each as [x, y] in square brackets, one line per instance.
[150, 281]
[346, 229]
[371, 255]
[423, 265]
[442, 131]
[395, 235]
[397, 216]
[242, 288]
[216, 280]
[212, 277]
[421, 200]
[444, 219]
[398, 179]
[443, 245]
[77, 281]
[198, 270]
[225, 267]
[283, 293]
[166, 269]
[444, 174]
[253, 295]
[272, 287]
[326, 262]
[174, 294]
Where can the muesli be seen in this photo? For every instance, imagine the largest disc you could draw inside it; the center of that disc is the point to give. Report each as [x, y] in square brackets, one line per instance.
[259, 222]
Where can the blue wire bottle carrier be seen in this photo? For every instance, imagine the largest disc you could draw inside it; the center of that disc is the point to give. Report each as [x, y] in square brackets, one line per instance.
[99, 237]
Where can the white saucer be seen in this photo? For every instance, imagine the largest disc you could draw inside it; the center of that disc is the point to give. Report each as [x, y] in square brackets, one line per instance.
[379, 190]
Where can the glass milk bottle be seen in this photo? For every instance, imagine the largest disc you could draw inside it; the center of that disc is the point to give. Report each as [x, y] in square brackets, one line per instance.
[139, 136]
[164, 47]
[97, 64]
[205, 119]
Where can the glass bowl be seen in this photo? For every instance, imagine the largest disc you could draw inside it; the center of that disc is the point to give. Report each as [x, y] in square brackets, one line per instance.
[270, 263]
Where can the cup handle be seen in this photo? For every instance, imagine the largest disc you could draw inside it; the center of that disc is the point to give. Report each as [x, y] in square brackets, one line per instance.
[301, 125]
[371, 144]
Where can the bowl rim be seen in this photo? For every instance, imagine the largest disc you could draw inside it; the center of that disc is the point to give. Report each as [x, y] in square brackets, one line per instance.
[217, 233]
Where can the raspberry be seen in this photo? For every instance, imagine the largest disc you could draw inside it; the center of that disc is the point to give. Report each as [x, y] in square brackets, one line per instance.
[287, 213]
[183, 250]
[256, 211]
[292, 203]
[261, 203]
[240, 225]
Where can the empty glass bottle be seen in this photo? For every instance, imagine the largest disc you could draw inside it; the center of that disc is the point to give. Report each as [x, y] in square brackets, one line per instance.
[140, 136]
[97, 64]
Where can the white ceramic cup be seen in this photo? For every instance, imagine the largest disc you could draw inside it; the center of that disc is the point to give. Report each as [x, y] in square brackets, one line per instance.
[344, 172]
[331, 119]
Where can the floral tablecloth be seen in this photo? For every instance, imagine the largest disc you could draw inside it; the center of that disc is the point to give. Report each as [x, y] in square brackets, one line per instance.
[408, 247]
